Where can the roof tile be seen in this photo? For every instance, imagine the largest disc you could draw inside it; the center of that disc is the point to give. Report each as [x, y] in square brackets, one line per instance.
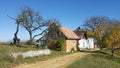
[68, 33]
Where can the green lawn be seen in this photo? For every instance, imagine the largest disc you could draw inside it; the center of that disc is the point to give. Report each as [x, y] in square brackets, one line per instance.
[7, 61]
[97, 60]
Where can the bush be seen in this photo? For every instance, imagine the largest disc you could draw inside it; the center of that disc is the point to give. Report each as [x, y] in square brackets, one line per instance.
[61, 44]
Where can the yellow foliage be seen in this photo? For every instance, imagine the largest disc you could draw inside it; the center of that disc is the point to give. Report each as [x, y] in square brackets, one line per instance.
[90, 34]
[112, 37]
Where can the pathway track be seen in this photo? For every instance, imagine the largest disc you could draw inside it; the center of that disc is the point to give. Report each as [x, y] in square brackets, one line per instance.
[59, 62]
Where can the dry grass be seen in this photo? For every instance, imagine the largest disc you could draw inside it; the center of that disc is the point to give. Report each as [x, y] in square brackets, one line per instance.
[6, 61]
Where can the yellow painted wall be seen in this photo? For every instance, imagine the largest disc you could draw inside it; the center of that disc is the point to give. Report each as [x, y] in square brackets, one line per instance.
[71, 45]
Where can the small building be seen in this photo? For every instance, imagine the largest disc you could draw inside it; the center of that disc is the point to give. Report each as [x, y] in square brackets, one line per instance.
[42, 41]
[84, 42]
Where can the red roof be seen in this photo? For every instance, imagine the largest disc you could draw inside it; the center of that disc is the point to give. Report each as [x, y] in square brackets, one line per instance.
[80, 33]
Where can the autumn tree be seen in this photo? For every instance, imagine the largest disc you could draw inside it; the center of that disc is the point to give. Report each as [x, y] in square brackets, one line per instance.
[95, 27]
[112, 36]
[32, 21]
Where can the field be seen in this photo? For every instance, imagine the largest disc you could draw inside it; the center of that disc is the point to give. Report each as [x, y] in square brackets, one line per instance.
[6, 61]
[97, 59]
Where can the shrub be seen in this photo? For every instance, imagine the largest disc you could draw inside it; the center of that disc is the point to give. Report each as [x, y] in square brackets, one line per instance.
[61, 43]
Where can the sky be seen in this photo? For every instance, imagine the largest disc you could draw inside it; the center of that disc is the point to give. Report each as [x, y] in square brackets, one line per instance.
[70, 13]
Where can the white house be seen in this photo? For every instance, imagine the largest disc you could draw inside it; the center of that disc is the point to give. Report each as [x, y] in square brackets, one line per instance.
[84, 44]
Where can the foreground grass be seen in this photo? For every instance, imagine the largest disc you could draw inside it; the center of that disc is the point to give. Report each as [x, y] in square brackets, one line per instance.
[97, 60]
[6, 61]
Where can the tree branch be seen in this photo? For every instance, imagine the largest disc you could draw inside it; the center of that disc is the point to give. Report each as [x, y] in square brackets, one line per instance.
[12, 18]
[40, 33]
[39, 26]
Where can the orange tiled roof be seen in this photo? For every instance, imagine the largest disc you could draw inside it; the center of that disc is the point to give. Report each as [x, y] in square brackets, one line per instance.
[68, 33]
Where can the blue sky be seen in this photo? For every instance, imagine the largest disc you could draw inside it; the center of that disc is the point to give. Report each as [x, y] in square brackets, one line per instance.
[70, 13]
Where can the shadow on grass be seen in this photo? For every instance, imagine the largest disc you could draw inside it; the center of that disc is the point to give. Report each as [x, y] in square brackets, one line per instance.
[96, 51]
[106, 56]
[101, 54]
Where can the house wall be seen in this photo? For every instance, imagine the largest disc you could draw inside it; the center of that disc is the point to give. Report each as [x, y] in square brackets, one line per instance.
[86, 44]
[42, 43]
[71, 45]
[52, 44]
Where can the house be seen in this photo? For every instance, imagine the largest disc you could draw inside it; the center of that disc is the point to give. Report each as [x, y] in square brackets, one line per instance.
[70, 39]
[84, 42]
[41, 42]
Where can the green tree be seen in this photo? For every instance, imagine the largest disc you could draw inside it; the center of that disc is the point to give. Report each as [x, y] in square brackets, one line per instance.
[32, 21]
[61, 44]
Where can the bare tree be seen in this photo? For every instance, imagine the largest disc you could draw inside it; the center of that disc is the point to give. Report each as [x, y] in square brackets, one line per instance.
[16, 40]
[96, 27]
[32, 21]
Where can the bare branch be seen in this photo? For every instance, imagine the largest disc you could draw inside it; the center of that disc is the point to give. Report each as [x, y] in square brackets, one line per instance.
[12, 18]
[40, 33]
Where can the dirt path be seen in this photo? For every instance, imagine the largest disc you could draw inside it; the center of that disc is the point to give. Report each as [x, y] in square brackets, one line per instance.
[59, 62]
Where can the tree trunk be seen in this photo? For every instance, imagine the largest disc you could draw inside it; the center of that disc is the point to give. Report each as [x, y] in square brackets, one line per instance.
[31, 39]
[101, 47]
[112, 51]
[16, 41]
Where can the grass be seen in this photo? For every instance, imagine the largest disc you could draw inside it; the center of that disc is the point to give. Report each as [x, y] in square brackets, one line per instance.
[98, 59]
[6, 61]
[108, 51]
